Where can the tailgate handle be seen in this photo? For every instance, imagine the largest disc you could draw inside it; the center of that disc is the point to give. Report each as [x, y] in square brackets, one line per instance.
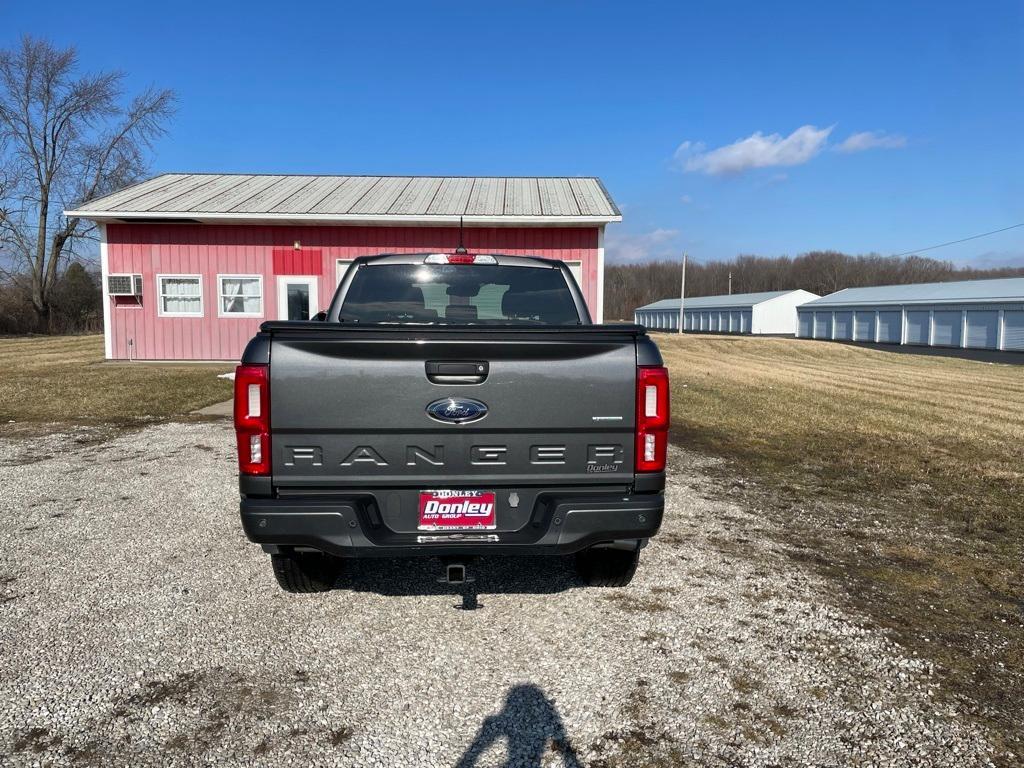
[457, 371]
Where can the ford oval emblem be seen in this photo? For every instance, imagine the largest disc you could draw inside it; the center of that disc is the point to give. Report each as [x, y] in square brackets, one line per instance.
[456, 410]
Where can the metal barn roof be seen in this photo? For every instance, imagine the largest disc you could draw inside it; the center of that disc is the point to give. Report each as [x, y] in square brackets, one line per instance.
[223, 197]
[714, 302]
[963, 291]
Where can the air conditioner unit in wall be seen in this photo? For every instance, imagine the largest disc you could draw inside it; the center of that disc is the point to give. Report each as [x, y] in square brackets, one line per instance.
[124, 285]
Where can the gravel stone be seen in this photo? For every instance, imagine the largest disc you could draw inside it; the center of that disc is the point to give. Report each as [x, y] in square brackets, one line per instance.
[139, 627]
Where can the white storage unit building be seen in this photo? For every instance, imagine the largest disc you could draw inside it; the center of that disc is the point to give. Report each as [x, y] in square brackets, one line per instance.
[969, 314]
[773, 312]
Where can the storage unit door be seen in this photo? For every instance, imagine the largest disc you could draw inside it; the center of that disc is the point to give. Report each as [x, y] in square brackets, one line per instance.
[806, 325]
[823, 325]
[982, 329]
[844, 326]
[734, 322]
[1013, 330]
[714, 321]
[917, 327]
[864, 326]
[889, 327]
[947, 328]
[746, 316]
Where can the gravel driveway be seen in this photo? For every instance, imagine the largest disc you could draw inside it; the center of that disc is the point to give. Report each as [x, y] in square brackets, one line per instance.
[138, 627]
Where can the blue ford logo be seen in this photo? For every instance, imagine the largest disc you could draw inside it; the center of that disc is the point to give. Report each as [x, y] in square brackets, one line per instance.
[456, 410]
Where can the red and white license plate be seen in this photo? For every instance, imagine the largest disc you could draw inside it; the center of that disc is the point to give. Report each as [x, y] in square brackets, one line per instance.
[456, 510]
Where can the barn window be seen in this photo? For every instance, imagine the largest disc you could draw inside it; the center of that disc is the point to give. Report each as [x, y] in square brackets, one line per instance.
[180, 295]
[240, 295]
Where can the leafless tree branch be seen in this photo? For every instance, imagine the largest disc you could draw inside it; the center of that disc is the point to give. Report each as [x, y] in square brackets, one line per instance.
[65, 138]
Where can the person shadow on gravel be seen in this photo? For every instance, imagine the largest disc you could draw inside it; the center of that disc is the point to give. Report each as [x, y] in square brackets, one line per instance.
[531, 725]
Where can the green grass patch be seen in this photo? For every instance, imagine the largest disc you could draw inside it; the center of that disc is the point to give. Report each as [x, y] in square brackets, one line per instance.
[64, 380]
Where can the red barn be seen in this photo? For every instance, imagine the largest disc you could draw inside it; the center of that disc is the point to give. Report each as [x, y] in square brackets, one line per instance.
[193, 263]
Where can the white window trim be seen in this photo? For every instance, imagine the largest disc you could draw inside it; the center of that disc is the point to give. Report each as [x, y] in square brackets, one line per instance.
[337, 266]
[220, 296]
[160, 297]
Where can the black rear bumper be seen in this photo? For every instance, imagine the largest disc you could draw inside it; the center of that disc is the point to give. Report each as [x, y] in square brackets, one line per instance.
[348, 527]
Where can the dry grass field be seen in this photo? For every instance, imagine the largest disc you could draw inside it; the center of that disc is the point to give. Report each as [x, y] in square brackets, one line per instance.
[63, 379]
[899, 475]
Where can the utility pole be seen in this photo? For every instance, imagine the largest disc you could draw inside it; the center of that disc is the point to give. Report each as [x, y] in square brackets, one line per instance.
[730, 283]
[682, 294]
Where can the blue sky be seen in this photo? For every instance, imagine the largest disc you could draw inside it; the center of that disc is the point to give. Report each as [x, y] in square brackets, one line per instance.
[719, 128]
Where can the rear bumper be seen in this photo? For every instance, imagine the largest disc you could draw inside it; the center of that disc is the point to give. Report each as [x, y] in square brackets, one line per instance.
[348, 528]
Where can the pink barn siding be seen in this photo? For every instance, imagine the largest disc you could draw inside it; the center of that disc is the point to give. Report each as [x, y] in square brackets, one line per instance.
[207, 250]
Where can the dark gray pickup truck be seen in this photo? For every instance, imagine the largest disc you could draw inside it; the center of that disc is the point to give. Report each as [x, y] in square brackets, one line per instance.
[454, 405]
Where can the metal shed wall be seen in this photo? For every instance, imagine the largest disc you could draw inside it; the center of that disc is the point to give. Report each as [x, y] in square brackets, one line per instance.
[212, 250]
[966, 326]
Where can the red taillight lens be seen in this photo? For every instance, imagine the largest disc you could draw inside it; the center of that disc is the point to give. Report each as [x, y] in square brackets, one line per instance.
[252, 419]
[652, 418]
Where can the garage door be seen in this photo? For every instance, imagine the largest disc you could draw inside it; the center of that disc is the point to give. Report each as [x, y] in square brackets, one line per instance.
[864, 326]
[844, 326]
[982, 329]
[889, 327]
[705, 321]
[734, 322]
[917, 327]
[947, 328]
[823, 325]
[716, 319]
[806, 324]
[745, 318]
[1013, 331]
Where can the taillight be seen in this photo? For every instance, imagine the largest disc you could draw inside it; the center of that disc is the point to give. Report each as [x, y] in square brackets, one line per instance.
[252, 419]
[652, 418]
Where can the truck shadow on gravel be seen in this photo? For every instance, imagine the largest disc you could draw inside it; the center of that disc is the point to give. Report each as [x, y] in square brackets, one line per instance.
[422, 576]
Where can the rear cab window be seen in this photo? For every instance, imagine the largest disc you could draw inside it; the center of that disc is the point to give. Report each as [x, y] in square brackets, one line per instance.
[459, 294]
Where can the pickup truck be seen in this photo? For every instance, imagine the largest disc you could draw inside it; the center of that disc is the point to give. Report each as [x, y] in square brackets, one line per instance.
[451, 405]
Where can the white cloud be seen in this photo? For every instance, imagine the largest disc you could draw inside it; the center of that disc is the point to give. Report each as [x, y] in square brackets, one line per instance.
[756, 151]
[859, 142]
[685, 199]
[623, 248]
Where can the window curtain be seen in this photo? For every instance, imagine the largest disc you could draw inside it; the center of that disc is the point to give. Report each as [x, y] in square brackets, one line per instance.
[181, 294]
[241, 294]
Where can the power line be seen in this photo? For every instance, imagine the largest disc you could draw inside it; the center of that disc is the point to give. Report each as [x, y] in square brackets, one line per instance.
[964, 240]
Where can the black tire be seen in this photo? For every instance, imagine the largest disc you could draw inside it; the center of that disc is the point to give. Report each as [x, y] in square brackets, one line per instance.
[306, 572]
[605, 567]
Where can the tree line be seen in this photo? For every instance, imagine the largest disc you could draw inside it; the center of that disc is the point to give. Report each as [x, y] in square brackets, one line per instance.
[822, 272]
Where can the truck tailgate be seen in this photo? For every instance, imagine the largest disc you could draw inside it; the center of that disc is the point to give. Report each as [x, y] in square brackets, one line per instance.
[349, 407]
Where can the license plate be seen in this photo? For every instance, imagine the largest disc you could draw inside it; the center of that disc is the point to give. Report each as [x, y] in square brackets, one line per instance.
[463, 510]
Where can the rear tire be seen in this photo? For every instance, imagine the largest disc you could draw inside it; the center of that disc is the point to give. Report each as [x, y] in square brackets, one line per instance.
[305, 572]
[606, 567]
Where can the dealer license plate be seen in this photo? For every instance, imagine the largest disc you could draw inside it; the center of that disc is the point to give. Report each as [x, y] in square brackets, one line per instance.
[461, 510]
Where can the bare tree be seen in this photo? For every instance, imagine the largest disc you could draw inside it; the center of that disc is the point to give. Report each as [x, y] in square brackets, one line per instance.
[65, 138]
